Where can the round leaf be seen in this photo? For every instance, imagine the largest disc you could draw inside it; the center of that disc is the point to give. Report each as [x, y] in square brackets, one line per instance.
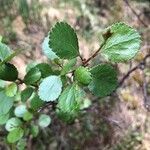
[50, 88]
[82, 75]
[121, 44]
[15, 135]
[44, 121]
[32, 76]
[8, 72]
[12, 124]
[27, 116]
[20, 110]
[36, 102]
[63, 41]
[104, 80]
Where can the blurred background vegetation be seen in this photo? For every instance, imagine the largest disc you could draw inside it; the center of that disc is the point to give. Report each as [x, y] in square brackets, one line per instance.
[119, 122]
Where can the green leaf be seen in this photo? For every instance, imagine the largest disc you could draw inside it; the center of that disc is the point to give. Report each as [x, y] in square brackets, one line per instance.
[63, 41]
[47, 50]
[82, 75]
[50, 88]
[27, 116]
[6, 103]
[64, 80]
[1, 38]
[8, 72]
[15, 135]
[2, 84]
[36, 102]
[11, 56]
[44, 120]
[17, 97]
[68, 66]
[69, 103]
[45, 70]
[31, 65]
[11, 90]
[121, 44]
[86, 103]
[34, 130]
[21, 144]
[12, 124]
[26, 94]
[4, 118]
[32, 76]
[24, 10]
[104, 80]
[4, 51]
[20, 110]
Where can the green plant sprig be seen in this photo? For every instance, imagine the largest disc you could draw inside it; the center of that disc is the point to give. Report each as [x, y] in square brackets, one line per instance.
[62, 83]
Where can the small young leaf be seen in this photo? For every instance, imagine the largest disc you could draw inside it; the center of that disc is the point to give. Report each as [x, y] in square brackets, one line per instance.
[26, 94]
[32, 76]
[4, 51]
[44, 120]
[85, 104]
[36, 103]
[104, 80]
[15, 135]
[4, 118]
[68, 66]
[34, 130]
[11, 90]
[63, 41]
[45, 70]
[47, 50]
[20, 110]
[82, 75]
[27, 116]
[122, 44]
[50, 88]
[8, 72]
[6, 103]
[69, 103]
[12, 124]
[21, 144]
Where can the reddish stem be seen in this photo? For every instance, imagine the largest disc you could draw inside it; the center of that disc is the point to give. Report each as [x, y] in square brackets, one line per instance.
[85, 63]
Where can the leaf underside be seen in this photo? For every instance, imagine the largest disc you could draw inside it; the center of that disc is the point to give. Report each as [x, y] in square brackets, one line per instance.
[50, 88]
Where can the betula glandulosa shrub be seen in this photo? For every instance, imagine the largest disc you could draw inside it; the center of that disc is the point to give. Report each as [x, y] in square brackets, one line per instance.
[64, 86]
